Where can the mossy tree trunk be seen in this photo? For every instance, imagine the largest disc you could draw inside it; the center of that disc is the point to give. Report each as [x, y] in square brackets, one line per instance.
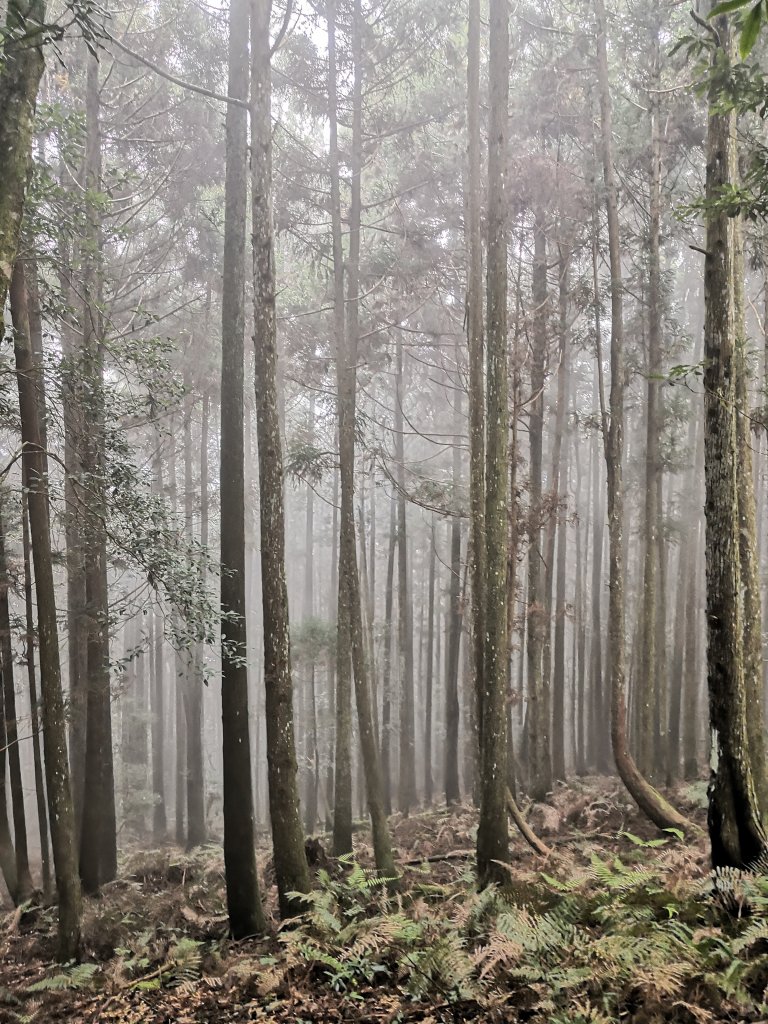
[736, 831]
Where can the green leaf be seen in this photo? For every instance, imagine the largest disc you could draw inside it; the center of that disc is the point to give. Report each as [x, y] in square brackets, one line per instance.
[726, 7]
[750, 30]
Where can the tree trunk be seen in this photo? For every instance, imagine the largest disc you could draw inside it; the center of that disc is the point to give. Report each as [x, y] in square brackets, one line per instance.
[492, 833]
[406, 792]
[246, 916]
[29, 643]
[428, 713]
[453, 642]
[98, 840]
[287, 837]
[193, 681]
[21, 69]
[736, 830]
[31, 385]
[560, 484]
[474, 314]
[386, 700]
[349, 579]
[540, 771]
[23, 876]
[651, 803]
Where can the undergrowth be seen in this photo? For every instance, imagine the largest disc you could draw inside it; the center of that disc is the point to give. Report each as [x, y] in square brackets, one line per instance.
[594, 939]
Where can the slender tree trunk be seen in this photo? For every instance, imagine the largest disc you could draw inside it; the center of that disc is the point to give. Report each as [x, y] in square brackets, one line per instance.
[29, 644]
[23, 876]
[310, 724]
[246, 916]
[406, 794]
[560, 481]
[386, 701]
[287, 838]
[342, 800]
[648, 681]
[193, 681]
[538, 617]
[476, 357]
[428, 711]
[159, 814]
[349, 579]
[453, 642]
[98, 840]
[492, 833]
[31, 385]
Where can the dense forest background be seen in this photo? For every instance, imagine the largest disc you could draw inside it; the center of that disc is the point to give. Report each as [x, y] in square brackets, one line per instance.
[477, 521]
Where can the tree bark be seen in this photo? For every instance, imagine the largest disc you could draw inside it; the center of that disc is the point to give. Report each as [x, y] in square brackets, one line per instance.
[660, 812]
[736, 831]
[492, 833]
[246, 916]
[98, 839]
[287, 837]
[31, 385]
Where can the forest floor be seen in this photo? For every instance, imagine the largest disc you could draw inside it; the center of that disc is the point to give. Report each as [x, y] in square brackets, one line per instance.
[616, 923]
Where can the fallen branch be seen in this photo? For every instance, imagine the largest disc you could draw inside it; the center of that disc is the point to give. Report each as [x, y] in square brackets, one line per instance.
[525, 829]
[437, 857]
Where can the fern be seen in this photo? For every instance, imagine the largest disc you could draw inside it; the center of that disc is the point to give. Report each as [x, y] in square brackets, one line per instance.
[76, 976]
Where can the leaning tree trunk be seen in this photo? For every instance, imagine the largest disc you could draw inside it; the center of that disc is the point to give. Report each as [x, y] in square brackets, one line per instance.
[736, 831]
[660, 812]
[287, 836]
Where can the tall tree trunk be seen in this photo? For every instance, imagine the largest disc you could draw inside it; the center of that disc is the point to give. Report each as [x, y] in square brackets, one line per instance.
[342, 798]
[62, 818]
[310, 723]
[159, 814]
[540, 771]
[21, 69]
[98, 840]
[386, 700]
[660, 812]
[406, 793]
[29, 644]
[560, 483]
[428, 710]
[246, 916]
[648, 681]
[453, 641]
[349, 579]
[287, 837]
[736, 831]
[492, 833]
[475, 341]
[193, 680]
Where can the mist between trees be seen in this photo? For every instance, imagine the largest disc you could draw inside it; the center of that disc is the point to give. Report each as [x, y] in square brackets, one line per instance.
[382, 419]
